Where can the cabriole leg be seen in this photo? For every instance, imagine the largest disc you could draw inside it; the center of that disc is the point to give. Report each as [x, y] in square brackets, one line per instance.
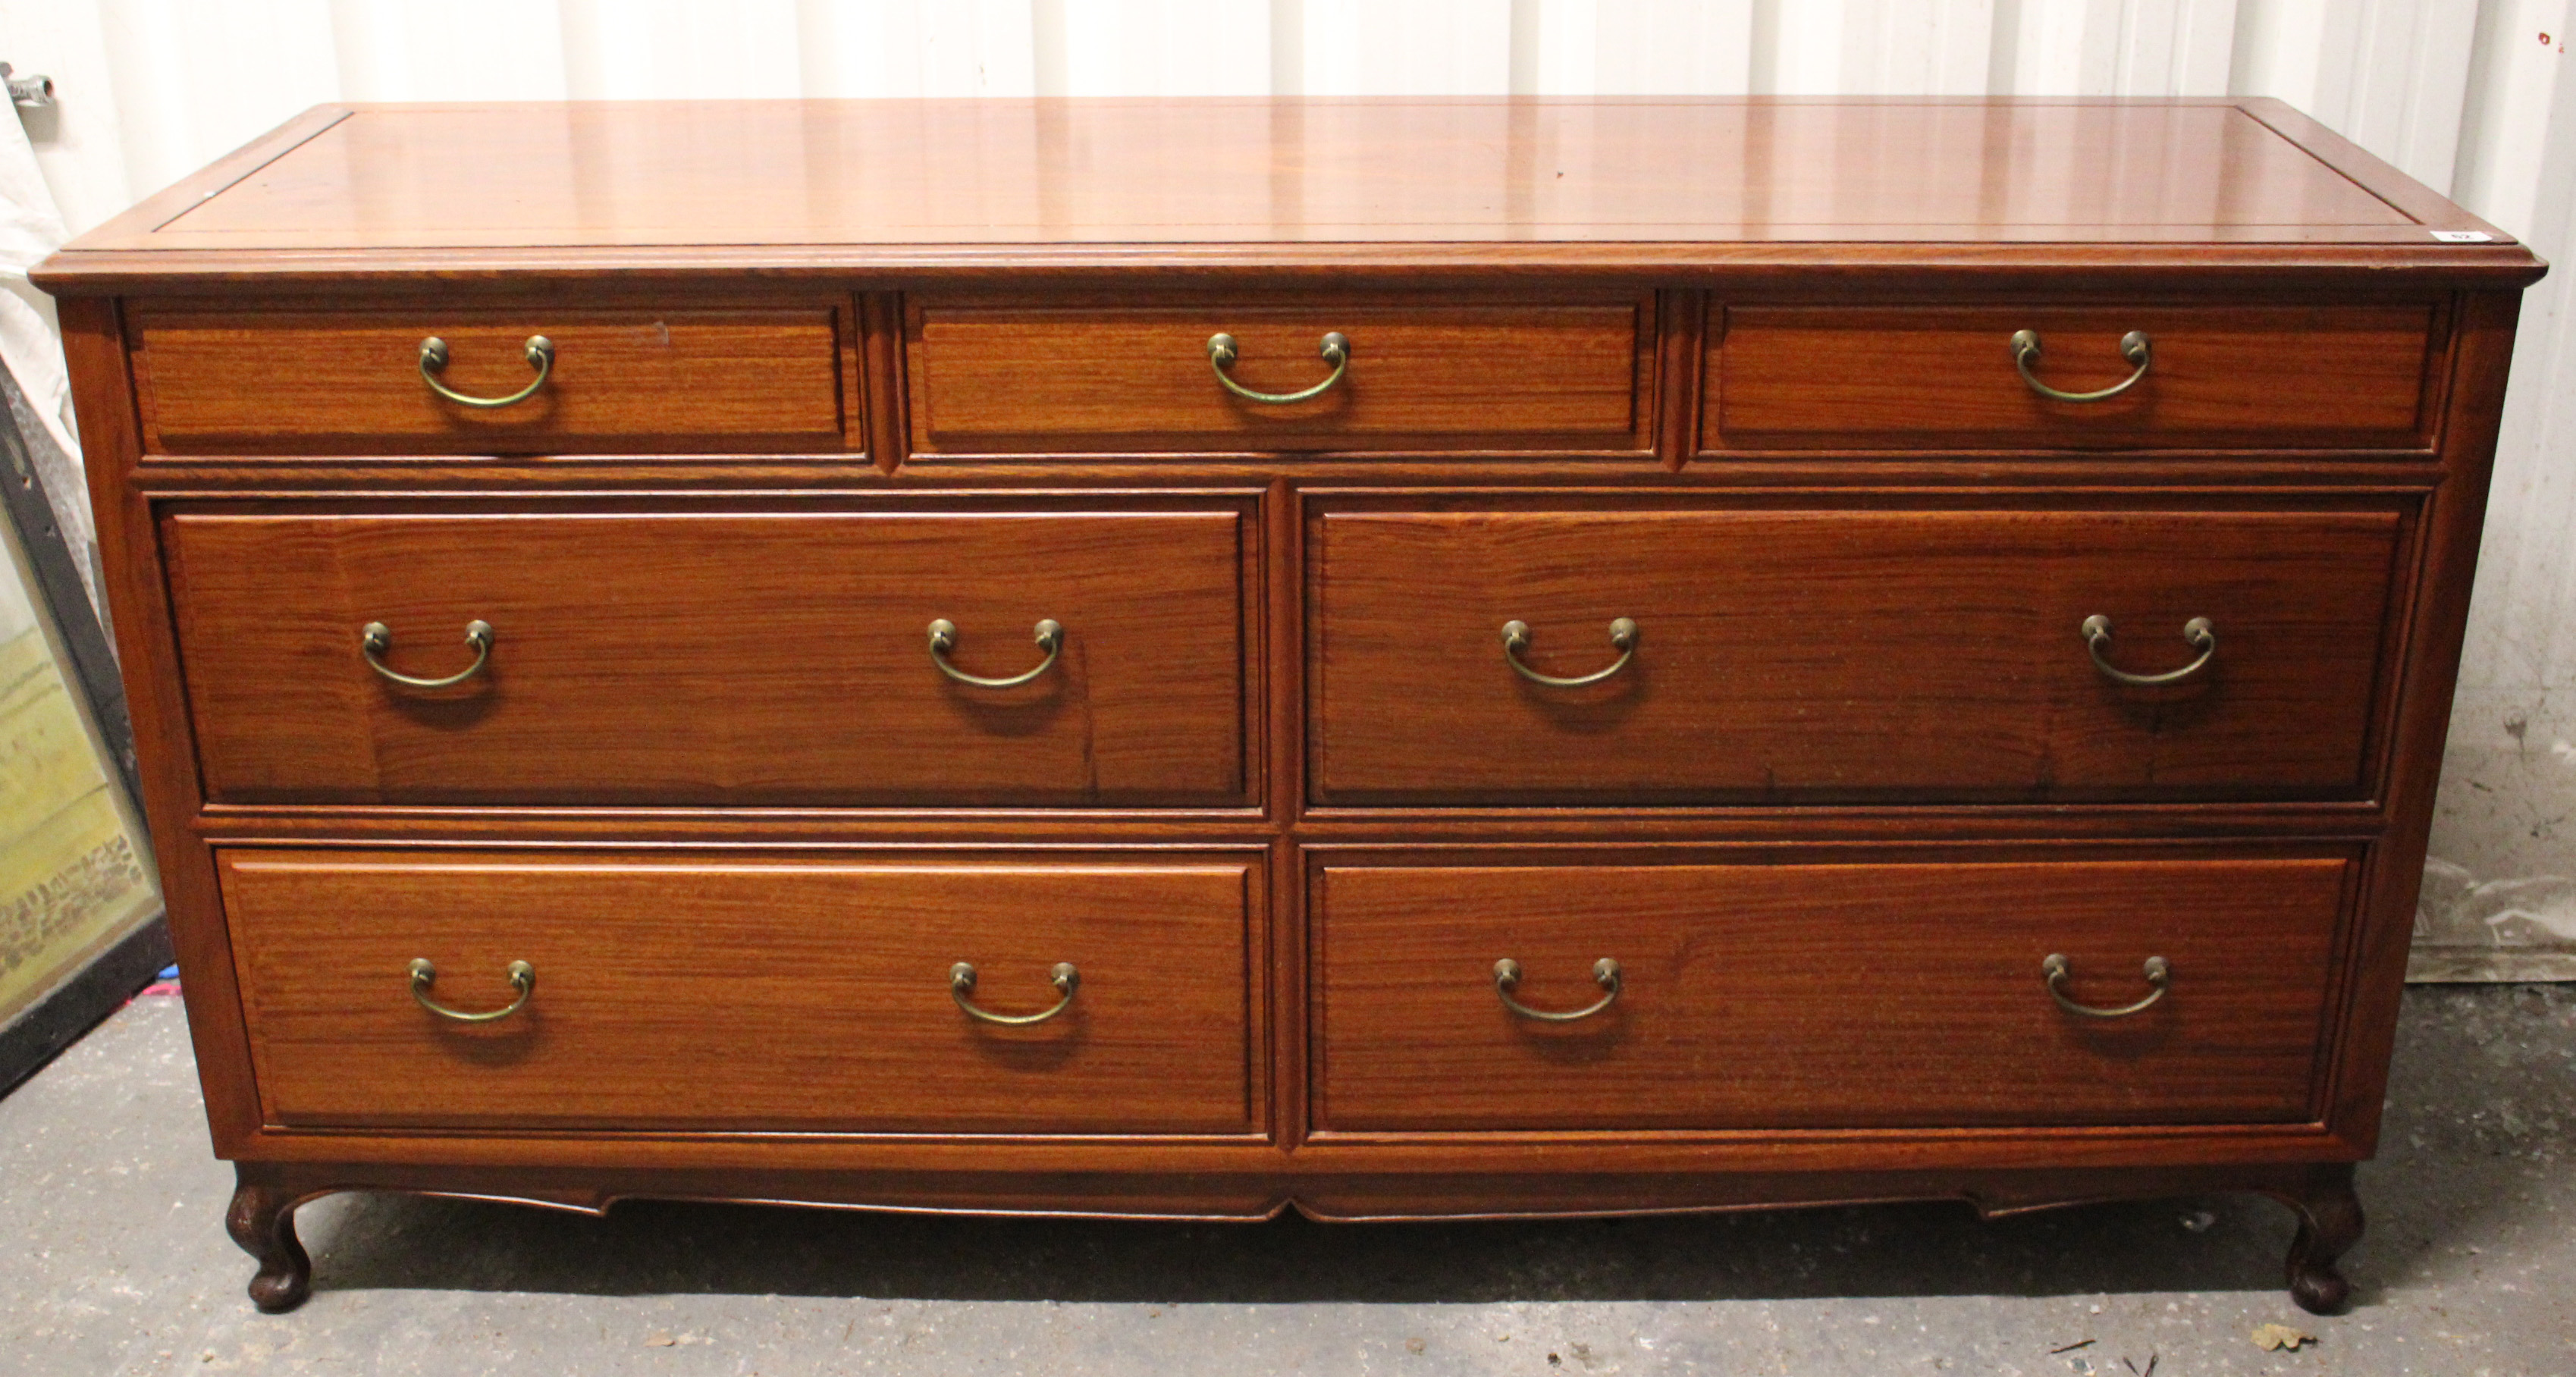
[2330, 1222]
[262, 1221]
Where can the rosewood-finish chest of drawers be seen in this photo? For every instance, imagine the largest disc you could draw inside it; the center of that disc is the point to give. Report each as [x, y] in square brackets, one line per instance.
[1392, 658]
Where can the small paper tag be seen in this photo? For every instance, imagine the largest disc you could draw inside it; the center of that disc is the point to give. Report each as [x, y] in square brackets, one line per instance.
[2464, 236]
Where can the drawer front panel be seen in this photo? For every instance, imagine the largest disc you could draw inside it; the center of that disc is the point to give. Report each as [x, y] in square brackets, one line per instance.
[995, 380]
[1818, 655]
[1833, 377]
[1822, 996]
[740, 995]
[770, 658]
[352, 382]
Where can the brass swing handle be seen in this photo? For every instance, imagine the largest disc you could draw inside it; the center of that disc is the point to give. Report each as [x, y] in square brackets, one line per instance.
[1507, 978]
[522, 976]
[540, 352]
[2198, 633]
[961, 983]
[943, 638]
[2056, 968]
[1336, 351]
[2133, 347]
[375, 638]
[1516, 637]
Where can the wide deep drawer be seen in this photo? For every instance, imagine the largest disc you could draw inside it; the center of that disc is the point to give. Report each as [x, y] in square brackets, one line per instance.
[1845, 654]
[740, 994]
[619, 380]
[1822, 996]
[1009, 379]
[713, 658]
[1807, 377]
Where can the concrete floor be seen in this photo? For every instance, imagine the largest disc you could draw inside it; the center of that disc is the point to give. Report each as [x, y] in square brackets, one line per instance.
[120, 1264]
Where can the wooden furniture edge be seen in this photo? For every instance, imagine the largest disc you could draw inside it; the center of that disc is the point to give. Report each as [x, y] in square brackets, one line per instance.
[119, 256]
[2454, 525]
[2366, 169]
[2206, 267]
[2319, 1195]
[132, 228]
[129, 555]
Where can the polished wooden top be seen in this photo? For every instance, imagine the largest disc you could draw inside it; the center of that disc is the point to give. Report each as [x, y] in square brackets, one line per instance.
[1457, 182]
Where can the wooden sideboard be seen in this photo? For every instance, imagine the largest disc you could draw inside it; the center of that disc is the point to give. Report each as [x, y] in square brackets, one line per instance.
[1392, 658]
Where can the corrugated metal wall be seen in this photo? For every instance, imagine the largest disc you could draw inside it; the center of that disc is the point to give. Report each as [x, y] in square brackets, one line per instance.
[2464, 94]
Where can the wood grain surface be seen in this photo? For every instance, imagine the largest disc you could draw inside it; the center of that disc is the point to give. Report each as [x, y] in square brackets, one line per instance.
[738, 994]
[2190, 194]
[216, 382]
[676, 657]
[1807, 655]
[1173, 171]
[1805, 377]
[1803, 996]
[1510, 376]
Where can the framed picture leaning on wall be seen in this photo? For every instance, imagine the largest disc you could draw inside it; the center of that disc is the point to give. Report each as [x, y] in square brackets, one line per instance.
[80, 911]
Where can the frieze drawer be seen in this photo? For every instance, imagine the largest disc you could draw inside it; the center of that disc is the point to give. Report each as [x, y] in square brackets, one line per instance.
[440, 379]
[1249, 376]
[2047, 376]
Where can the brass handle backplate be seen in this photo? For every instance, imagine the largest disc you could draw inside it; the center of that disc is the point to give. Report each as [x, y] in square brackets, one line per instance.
[2055, 969]
[961, 983]
[2198, 633]
[943, 638]
[375, 638]
[1336, 351]
[540, 353]
[1507, 978]
[523, 980]
[1516, 637]
[2133, 347]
